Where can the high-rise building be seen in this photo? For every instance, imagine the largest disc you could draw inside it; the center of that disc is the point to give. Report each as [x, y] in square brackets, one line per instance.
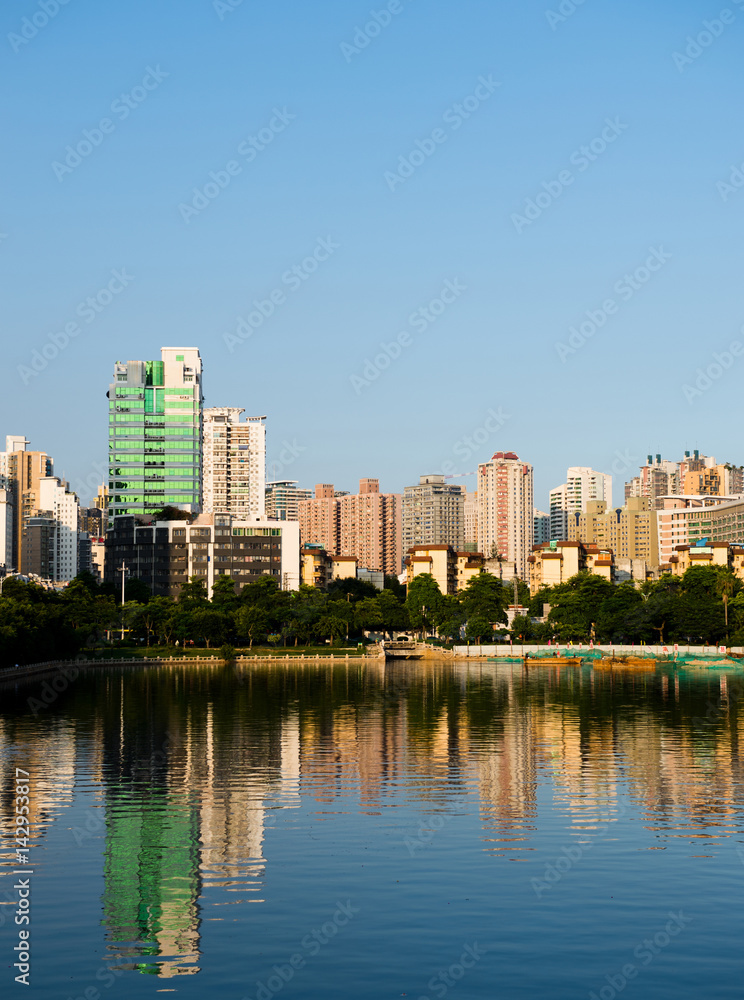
[283, 500]
[22, 471]
[631, 532]
[56, 499]
[366, 525]
[6, 528]
[370, 528]
[433, 514]
[319, 519]
[506, 510]
[582, 485]
[234, 463]
[470, 520]
[155, 433]
[694, 475]
[37, 546]
[541, 534]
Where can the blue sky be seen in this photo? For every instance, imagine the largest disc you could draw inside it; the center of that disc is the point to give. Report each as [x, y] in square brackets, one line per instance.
[184, 84]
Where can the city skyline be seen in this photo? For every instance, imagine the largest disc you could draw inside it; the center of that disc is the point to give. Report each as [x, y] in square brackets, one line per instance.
[409, 267]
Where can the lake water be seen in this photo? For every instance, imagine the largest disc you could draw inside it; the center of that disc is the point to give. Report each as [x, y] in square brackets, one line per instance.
[448, 829]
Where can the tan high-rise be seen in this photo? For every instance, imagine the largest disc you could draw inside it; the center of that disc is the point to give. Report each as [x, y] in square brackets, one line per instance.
[631, 531]
[506, 510]
[23, 471]
[366, 525]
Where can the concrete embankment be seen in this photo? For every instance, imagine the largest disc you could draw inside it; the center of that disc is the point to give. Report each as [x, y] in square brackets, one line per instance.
[37, 671]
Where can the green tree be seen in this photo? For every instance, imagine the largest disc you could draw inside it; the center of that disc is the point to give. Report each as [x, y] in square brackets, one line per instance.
[193, 593]
[211, 626]
[450, 617]
[367, 615]
[478, 628]
[224, 595]
[351, 588]
[521, 628]
[484, 596]
[576, 606]
[395, 617]
[251, 623]
[154, 614]
[423, 600]
[330, 626]
[393, 584]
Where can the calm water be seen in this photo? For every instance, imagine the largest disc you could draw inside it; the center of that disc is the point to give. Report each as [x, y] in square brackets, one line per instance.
[459, 830]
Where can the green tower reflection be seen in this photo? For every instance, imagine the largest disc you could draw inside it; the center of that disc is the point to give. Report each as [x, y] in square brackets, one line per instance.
[152, 883]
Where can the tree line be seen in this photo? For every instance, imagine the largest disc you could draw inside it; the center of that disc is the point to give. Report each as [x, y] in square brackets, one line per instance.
[38, 624]
[705, 605]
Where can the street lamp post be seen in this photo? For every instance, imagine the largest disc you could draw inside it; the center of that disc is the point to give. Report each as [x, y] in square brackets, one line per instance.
[123, 570]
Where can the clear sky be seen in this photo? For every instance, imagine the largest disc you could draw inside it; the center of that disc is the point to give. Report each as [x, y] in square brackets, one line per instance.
[317, 108]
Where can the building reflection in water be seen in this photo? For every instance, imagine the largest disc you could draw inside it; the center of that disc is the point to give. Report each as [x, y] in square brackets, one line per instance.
[192, 765]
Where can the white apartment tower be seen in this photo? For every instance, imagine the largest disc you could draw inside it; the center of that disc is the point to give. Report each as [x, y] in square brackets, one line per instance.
[433, 514]
[64, 507]
[581, 486]
[6, 527]
[234, 463]
[506, 510]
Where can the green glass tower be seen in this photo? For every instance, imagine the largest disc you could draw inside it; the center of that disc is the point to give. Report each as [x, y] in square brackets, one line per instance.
[155, 433]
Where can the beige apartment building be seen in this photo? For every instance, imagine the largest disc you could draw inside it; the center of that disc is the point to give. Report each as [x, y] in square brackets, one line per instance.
[506, 510]
[365, 525]
[694, 475]
[714, 554]
[689, 520]
[554, 563]
[22, 472]
[452, 570]
[433, 513]
[234, 463]
[630, 532]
